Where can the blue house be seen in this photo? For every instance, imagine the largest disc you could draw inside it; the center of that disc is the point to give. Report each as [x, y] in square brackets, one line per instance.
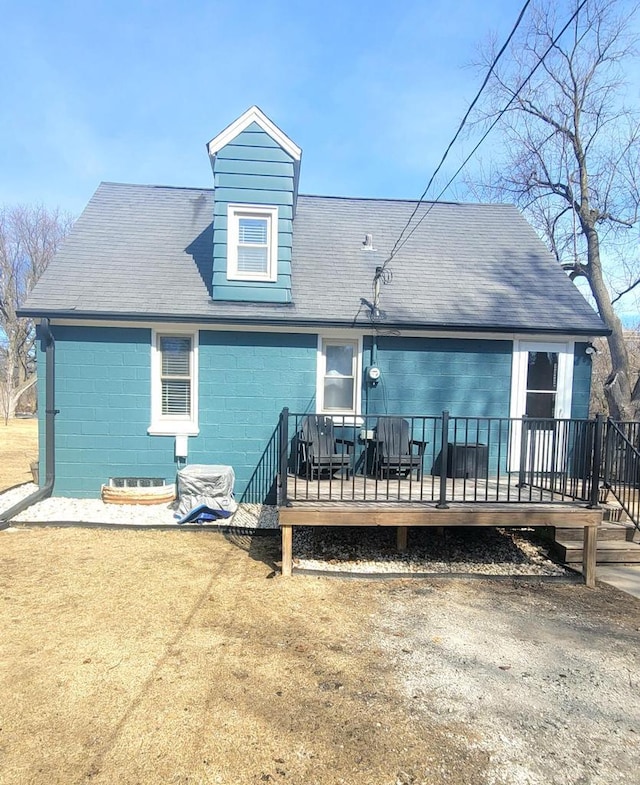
[186, 319]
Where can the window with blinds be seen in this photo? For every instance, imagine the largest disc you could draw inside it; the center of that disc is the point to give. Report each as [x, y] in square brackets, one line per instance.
[252, 233]
[175, 375]
[253, 245]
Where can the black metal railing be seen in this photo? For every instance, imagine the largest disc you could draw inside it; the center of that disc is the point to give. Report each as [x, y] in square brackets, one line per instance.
[621, 466]
[440, 459]
[263, 485]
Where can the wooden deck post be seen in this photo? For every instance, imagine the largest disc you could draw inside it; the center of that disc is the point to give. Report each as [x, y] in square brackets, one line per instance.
[287, 550]
[589, 552]
[401, 538]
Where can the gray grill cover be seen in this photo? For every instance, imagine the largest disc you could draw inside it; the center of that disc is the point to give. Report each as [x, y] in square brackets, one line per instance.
[210, 485]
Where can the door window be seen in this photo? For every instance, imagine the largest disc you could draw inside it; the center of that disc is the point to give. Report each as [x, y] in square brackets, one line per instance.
[542, 384]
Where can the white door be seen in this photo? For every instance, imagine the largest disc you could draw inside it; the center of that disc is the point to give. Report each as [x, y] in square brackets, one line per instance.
[541, 391]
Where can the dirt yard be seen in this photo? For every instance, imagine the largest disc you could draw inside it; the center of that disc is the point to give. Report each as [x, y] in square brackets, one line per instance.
[178, 657]
[18, 448]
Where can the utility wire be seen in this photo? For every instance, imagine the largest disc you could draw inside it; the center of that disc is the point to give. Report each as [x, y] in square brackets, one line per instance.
[399, 242]
[460, 127]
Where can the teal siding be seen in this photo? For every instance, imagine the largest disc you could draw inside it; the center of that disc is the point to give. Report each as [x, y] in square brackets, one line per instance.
[253, 170]
[254, 182]
[238, 292]
[250, 167]
[103, 388]
[220, 211]
[274, 196]
[246, 379]
[233, 152]
[427, 375]
[468, 378]
[581, 382]
[103, 393]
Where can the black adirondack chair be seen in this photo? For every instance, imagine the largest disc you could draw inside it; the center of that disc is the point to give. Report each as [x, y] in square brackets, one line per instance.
[396, 451]
[318, 448]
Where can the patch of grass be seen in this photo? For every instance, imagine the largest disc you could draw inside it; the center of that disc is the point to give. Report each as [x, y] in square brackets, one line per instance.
[171, 657]
[18, 449]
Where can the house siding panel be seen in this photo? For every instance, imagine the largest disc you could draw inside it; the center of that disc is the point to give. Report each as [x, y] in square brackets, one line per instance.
[253, 170]
[104, 403]
[468, 378]
[234, 152]
[245, 379]
[427, 375]
[235, 166]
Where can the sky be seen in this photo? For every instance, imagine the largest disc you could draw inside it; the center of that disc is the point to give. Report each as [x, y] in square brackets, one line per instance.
[132, 91]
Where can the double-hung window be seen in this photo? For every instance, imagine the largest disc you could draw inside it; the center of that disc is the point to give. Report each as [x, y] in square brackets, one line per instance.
[252, 253]
[338, 387]
[174, 383]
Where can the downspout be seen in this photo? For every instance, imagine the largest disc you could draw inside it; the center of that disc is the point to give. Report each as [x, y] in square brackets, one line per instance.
[48, 345]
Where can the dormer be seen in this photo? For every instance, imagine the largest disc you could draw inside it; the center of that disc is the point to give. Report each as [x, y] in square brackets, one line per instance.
[255, 172]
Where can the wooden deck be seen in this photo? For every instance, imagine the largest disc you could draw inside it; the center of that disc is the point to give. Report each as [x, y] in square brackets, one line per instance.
[505, 508]
[359, 488]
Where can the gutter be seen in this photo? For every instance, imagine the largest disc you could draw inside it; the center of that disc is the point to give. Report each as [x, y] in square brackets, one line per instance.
[48, 345]
[297, 321]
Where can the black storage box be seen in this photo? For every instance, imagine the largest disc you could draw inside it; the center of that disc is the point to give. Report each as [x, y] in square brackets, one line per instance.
[470, 461]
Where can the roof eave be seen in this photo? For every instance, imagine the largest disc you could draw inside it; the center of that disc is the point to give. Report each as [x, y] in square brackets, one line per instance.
[275, 321]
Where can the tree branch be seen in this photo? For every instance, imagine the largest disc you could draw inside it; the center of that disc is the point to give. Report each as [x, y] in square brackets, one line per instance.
[626, 291]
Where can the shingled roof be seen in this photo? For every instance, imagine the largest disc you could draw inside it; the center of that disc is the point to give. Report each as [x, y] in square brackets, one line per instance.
[145, 253]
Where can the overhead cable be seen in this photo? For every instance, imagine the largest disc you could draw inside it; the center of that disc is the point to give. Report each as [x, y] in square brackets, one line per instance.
[399, 242]
[460, 127]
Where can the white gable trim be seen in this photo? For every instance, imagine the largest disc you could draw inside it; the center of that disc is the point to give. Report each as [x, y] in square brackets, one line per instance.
[254, 115]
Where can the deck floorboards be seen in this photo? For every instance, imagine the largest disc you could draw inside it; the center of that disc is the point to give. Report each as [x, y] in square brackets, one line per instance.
[359, 488]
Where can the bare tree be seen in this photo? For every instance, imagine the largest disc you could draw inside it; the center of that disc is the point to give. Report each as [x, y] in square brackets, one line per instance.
[601, 362]
[29, 237]
[572, 156]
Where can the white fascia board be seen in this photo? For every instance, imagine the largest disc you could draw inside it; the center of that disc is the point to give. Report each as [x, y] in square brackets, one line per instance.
[254, 115]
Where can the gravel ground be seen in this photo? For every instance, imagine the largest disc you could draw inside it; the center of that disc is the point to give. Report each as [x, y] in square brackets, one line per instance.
[460, 551]
[371, 550]
[546, 686]
[63, 509]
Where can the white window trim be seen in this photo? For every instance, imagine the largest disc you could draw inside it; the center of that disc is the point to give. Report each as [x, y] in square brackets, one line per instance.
[165, 425]
[234, 211]
[351, 417]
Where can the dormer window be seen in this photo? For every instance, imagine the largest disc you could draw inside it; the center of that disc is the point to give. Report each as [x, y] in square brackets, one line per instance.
[252, 247]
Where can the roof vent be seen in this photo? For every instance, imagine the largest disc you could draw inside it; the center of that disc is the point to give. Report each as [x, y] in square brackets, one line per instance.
[367, 244]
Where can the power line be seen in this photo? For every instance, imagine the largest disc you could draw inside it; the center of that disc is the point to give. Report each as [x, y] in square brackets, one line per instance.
[460, 127]
[399, 244]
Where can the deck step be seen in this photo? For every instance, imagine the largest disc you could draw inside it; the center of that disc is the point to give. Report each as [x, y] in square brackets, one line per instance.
[622, 532]
[609, 551]
[613, 511]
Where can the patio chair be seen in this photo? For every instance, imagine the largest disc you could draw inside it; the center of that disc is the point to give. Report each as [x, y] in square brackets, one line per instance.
[394, 449]
[317, 445]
